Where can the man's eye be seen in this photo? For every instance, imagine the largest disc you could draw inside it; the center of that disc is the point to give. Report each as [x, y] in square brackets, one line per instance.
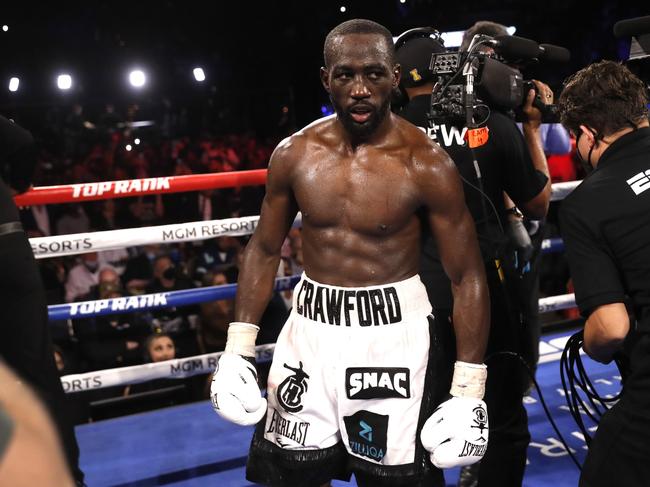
[375, 75]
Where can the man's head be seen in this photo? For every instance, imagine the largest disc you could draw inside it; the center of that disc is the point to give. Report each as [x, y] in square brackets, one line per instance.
[109, 284]
[599, 101]
[414, 58]
[359, 74]
[163, 268]
[482, 27]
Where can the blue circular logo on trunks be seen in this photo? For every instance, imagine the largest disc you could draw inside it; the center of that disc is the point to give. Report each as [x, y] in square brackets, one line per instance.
[292, 388]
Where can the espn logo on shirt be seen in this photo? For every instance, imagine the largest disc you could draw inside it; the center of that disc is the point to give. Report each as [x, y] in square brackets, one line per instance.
[377, 382]
[640, 182]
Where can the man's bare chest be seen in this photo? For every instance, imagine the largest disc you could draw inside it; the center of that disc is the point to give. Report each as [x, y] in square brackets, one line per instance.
[364, 198]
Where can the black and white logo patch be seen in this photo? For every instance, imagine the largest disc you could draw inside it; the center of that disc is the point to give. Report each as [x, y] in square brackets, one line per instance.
[291, 389]
[377, 382]
[480, 422]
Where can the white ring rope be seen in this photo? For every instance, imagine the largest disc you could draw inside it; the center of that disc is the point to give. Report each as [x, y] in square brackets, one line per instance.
[204, 364]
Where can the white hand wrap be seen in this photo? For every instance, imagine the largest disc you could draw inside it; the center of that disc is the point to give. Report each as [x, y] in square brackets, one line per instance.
[469, 380]
[456, 434]
[234, 392]
[241, 338]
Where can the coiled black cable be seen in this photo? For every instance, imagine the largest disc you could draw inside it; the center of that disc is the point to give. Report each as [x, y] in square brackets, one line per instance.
[580, 394]
[541, 399]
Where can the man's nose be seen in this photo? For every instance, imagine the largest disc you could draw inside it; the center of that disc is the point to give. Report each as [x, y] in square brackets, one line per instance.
[359, 88]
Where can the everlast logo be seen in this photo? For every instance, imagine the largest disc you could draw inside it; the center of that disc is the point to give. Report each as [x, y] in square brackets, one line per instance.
[377, 383]
[295, 431]
[373, 307]
[471, 449]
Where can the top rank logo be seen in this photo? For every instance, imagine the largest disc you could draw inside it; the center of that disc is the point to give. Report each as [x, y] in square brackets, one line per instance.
[377, 382]
[88, 190]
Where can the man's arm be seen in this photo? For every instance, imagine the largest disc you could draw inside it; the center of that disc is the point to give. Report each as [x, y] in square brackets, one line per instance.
[449, 435]
[537, 207]
[262, 255]
[605, 331]
[234, 391]
[455, 234]
[33, 455]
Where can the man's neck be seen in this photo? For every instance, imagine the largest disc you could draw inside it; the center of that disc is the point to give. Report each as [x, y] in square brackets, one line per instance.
[611, 138]
[375, 138]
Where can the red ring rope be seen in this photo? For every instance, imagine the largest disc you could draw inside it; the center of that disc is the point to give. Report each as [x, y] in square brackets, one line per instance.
[69, 193]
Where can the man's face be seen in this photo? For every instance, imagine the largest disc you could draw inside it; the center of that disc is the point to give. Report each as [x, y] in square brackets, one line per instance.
[359, 80]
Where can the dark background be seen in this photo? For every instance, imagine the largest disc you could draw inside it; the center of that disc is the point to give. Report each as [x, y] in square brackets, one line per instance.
[258, 56]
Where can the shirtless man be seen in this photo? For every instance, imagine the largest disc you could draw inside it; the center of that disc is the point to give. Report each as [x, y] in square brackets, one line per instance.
[351, 387]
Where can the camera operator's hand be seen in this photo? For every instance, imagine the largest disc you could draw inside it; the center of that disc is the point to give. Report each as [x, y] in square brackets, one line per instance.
[544, 95]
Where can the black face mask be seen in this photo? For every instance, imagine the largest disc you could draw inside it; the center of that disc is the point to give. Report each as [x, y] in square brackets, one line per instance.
[586, 164]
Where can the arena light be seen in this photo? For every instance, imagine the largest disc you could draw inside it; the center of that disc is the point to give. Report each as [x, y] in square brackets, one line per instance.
[13, 84]
[137, 78]
[128, 147]
[343, 9]
[199, 74]
[64, 82]
[136, 141]
[5, 28]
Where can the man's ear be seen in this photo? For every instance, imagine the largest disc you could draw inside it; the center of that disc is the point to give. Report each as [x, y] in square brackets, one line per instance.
[397, 75]
[588, 133]
[325, 78]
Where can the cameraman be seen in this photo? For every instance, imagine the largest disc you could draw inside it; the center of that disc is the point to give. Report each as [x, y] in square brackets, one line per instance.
[605, 225]
[516, 165]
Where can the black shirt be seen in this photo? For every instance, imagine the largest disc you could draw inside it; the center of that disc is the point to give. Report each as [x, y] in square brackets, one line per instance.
[605, 223]
[17, 162]
[505, 165]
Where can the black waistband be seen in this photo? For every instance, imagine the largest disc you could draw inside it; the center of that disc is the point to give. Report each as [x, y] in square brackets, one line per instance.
[11, 227]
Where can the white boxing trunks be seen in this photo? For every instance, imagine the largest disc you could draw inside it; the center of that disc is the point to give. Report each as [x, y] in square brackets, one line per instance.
[349, 367]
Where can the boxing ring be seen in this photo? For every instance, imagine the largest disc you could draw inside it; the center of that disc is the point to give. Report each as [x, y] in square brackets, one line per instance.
[190, 444]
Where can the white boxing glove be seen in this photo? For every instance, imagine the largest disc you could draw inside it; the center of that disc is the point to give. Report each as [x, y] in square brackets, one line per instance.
[456, 434]
[234, 392]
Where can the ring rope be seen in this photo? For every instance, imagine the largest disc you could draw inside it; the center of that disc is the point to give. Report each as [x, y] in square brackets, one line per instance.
[74, 193]
[134, 374]
[206, 363]
[186, 297]
[81, 243]
[144, 302]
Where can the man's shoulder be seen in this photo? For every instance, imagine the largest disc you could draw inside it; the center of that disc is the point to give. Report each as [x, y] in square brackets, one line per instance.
[294, 146]
[416, 139]
[580, 202]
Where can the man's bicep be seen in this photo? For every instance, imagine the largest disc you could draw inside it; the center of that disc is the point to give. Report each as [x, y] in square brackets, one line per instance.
[595, 276]
[452, 224]
[279, 207]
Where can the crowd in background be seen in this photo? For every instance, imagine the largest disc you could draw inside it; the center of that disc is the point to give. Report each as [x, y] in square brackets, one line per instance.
[112, 147]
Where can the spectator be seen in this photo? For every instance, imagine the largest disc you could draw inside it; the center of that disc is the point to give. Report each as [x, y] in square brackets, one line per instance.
[159, 347]
[215, 317]
[73, 220]
[110, 340]
[172, 320]
[82, 277]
